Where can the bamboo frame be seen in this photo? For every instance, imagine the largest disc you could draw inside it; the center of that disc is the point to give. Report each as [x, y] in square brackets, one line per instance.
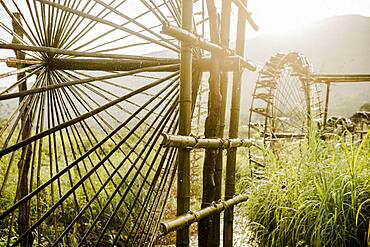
[61, 103]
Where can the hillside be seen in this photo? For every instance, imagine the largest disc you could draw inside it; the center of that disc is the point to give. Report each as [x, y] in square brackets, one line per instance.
[339, 44]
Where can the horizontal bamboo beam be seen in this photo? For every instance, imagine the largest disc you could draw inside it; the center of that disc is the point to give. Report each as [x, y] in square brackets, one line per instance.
[109, 64]
[194, 142]
[231, 63]
[198, 41]
[341, 78]
[243, 8]
[192, 217]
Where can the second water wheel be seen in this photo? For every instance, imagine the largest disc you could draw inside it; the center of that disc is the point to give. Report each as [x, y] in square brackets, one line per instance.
[286, 102]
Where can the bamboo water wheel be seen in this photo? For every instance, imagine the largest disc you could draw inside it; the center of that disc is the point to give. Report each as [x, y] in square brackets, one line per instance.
[90, 86]
[286, 102]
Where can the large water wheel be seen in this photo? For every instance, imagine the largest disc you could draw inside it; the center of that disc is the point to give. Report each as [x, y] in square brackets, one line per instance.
[92, 86]
[286, 102]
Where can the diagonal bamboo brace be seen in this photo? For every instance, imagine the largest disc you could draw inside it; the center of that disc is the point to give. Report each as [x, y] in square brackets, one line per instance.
[194, 216]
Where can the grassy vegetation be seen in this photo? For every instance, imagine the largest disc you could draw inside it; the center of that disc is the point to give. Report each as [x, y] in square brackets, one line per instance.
[319, 199]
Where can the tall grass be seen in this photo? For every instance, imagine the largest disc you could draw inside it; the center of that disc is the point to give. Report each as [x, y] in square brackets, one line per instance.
[319, 199]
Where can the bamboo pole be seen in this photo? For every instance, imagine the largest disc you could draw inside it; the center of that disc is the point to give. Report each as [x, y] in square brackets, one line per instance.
[233, 132]
[192, 217]
[192, 142]
[206, 232]
[52, 50]
[242, 7]
[224, 41]
[341, 78]
[230, 63]
[327, 95]
[183, 172]
[25, 159]
[109, 64]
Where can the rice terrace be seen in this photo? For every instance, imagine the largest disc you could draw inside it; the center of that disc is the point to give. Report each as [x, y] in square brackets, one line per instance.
[185, 123]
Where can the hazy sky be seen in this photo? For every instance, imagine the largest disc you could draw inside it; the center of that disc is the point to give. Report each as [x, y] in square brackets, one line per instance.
[282, 15]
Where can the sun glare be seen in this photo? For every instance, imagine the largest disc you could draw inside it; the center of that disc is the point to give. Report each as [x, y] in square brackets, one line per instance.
[283, 15]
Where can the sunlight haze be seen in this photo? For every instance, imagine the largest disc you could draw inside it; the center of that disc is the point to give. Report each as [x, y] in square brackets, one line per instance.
[283, 15]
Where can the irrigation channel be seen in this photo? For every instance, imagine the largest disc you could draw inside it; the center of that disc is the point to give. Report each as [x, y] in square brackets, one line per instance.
[115, 103]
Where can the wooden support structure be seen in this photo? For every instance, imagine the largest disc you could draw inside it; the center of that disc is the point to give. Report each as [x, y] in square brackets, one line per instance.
[25, 158]
[61, 105]
[195, 216]
[183, 169]
[214, 143]
[233, 132]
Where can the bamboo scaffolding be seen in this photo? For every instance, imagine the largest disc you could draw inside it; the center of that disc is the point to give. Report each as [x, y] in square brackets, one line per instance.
[192, 217]
[208, 143]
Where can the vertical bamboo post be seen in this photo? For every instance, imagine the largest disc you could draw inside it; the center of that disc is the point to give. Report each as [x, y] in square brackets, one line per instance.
[234, 131]
[326, 104]
[206, 231]
[25, 159]
[225, 33]
[183, 176]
